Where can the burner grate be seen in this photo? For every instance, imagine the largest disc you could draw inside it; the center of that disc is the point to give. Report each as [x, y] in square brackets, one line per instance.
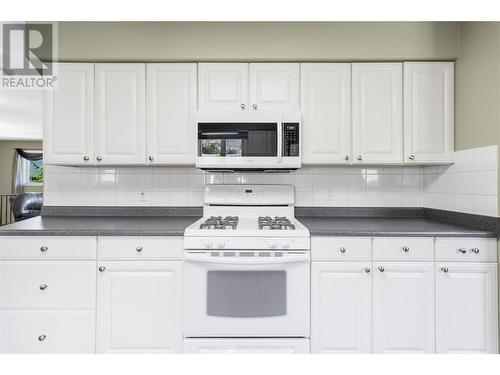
[218, 222]
[276, 223]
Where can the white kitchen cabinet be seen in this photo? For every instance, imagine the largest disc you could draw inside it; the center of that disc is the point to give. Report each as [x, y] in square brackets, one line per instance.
[171, 103]
[403, 307]
[326, 113]
[341, 307]
[69, 116]
[222, 86]
[428, 112]
[274, 86]
[120, 113]
[466, 307]
[139, 306]
[377, 118]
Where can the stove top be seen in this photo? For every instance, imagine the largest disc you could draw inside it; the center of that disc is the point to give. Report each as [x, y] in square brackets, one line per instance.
[276, 223]
[218, 222]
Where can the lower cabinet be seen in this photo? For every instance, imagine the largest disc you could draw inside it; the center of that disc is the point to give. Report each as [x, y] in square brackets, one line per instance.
[466, 307]
[341, 312]
[403, 307]
[139, 306]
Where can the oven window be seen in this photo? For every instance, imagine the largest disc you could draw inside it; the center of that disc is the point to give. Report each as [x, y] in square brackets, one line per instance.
[246, 294]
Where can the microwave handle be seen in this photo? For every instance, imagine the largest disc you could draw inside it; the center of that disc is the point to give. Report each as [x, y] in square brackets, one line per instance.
[245, 261]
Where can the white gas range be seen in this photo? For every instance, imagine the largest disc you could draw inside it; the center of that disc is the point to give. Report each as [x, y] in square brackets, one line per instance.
[247, 272]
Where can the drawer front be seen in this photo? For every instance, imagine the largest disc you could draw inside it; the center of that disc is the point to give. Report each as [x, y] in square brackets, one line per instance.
[140, 248]
[63, 247]
[341, 248]
[466, 249]
[25, 332]
[403, 248]
[47, 285]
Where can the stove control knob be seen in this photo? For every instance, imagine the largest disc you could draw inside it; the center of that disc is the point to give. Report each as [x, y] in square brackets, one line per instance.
[285, 245]
[273, 245]
[209, 245]
[221, 245]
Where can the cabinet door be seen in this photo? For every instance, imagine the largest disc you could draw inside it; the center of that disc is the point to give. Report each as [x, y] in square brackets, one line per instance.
[466, 308]
[403, 307]
[377, 113]
[222, 86]
[428, 112]
[120, 115]
[69, 116]
[326, 113]
[274, 86]
[171, 102]
[139, 307]
[341, 307]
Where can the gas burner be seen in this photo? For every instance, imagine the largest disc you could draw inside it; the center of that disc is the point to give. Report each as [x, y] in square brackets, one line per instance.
[217, 222]
[276, 223]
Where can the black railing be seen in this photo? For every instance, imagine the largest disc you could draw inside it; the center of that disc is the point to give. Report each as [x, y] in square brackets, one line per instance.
[6, 216]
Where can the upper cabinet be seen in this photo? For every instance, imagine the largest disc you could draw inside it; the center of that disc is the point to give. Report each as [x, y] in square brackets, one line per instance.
[428, 112]
[69, 116]
[326, 113]
[120, 113]
[377, 118]
[171, 103]
[241, 86]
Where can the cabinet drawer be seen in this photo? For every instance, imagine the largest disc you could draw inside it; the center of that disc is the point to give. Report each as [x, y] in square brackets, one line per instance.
[64, 247]
[341, 248]
[47, 285]
[137, 248]
[26, 332]
[467, 249]
[403, 248]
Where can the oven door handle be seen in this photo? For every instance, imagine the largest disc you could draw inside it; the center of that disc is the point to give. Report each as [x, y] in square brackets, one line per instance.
[243, 261]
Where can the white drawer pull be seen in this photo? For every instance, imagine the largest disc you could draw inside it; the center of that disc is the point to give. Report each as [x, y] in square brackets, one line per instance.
[43, 286]
[474, 250]
[342, 250]
[367, 269]
[405, 249]
[461, 250]
[42, 338]
[381, 269]
[138, 249]
[43, 249]
[444, 269]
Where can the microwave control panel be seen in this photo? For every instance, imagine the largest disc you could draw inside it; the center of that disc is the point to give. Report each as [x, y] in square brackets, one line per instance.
[291, 139]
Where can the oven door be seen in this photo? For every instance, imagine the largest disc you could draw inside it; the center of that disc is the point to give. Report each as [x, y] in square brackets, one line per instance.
[246, 294]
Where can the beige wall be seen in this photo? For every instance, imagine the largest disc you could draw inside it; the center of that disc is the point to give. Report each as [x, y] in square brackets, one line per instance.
[257, 41]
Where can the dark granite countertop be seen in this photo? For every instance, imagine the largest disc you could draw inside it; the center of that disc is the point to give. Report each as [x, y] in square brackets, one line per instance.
[382, 226]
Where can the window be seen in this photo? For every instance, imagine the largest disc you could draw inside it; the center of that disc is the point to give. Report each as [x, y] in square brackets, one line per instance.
[32, 172]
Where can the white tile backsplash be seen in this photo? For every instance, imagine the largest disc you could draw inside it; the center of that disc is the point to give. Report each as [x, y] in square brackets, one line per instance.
[470, 185]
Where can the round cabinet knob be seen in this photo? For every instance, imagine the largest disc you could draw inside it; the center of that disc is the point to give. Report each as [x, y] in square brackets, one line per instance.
[444, 269]
[102, 269]
[411, 157]
[86, 158]
[98, 158]
[243, 106]
[475, 250]
[221, 245]
[42, 337]
[346, 158]
[359, 158]
[405, 249]
[254, 106]
[342, 250]
[273, 245]
[285, 245]
[367, 269]
[150, 158]
[43, 286]
[461, 250]
[43, 249]
[138, 249]
[381, 269]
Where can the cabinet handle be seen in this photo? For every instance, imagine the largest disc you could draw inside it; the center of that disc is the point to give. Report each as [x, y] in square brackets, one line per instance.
[346, 158]
[43, 286]
[242, 106]
[42, 337]
[43, 249]
[102, 269]
[342, 250]
[99, 158]
[138, 249]
[475, 250]
[151, 158]
[359, 158]
[405, 249]
[254, 106]
[367, 269]
[444, 269]
[461, 250]
[411, 157]
[86, 158]
[381, 269]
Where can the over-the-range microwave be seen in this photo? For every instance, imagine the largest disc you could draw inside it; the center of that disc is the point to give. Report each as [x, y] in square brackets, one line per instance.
[257, 141]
